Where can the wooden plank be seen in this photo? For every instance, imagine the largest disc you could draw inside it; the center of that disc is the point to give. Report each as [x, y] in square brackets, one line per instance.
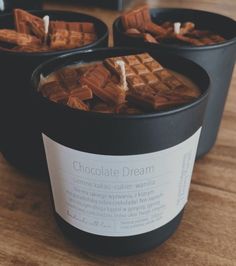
[29, 234]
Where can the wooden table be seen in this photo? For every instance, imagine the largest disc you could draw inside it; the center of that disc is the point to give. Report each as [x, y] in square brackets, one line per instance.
[207, 235]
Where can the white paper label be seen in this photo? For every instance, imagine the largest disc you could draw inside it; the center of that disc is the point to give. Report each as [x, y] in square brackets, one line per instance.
[120, 195]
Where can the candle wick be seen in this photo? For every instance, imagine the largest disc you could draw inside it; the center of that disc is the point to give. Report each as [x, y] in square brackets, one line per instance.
[46, 21]
[177, 26]
[123, 81]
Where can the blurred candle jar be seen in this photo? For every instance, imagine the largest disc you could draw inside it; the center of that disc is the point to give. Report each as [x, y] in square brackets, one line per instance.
[7, 5]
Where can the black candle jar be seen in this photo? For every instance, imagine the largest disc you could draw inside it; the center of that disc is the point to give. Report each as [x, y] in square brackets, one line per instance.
[20, 140]
[100, 201]
[218, 60]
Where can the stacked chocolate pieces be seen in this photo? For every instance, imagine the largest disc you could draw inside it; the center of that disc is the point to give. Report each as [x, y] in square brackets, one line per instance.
[30, 35]
[138, 23]
[97, 87]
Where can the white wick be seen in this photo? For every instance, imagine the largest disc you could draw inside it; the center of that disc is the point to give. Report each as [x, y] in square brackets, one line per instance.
[42, 81]
[121, 64]
[177, 26]
[46, 20]
[2, 6]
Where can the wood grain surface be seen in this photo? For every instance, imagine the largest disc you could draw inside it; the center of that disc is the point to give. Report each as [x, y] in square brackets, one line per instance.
[207, 235]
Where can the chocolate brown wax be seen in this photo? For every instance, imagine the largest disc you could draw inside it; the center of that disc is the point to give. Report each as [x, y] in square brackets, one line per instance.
[143, 85]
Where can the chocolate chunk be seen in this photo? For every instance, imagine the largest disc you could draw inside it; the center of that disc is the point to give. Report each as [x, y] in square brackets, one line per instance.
[150, 78]
[98, 80]
[21, 39]
[131, 60]
[135, 81]
[153, 66]
[84, 27]
[68, 78]
[136, 18]
[77, 103]
[82, 92]
[140, 69]
[144, 58]
[64, 39]
[163, 74]
[172, 82]
[138, 23]
[54, 91]
[27, 23]
[189, 40]
[150, 86]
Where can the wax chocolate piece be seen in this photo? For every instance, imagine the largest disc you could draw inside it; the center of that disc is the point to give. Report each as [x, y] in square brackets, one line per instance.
[82, 92]
[147, 79]
[64, 39]
[30, 34]
[98, 80]
[68, 77]
[28, 23]
[96, 77]
[68, 80]
[77, 103]
[20, 17]
[111, 63]
[11, 36]
[150, 99]
[189, 40]
[136, 18]
[163, 74]
[54, 91]
[150, 86]
[85, 27]
[137, 23]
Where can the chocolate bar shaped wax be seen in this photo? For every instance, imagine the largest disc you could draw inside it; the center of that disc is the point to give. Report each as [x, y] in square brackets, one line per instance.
[136, 18]
[21, 39]
[28, 23]
[84, 27]
[150, 85]
[65, 39]
[71, 34]
[138, 23]
[32, 36]
[63, 87]
[99, 80]
[101, 85]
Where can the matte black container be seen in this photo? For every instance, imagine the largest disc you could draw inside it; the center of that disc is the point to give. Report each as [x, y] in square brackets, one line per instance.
[20, 139]
[111, 136]
[218, 60]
